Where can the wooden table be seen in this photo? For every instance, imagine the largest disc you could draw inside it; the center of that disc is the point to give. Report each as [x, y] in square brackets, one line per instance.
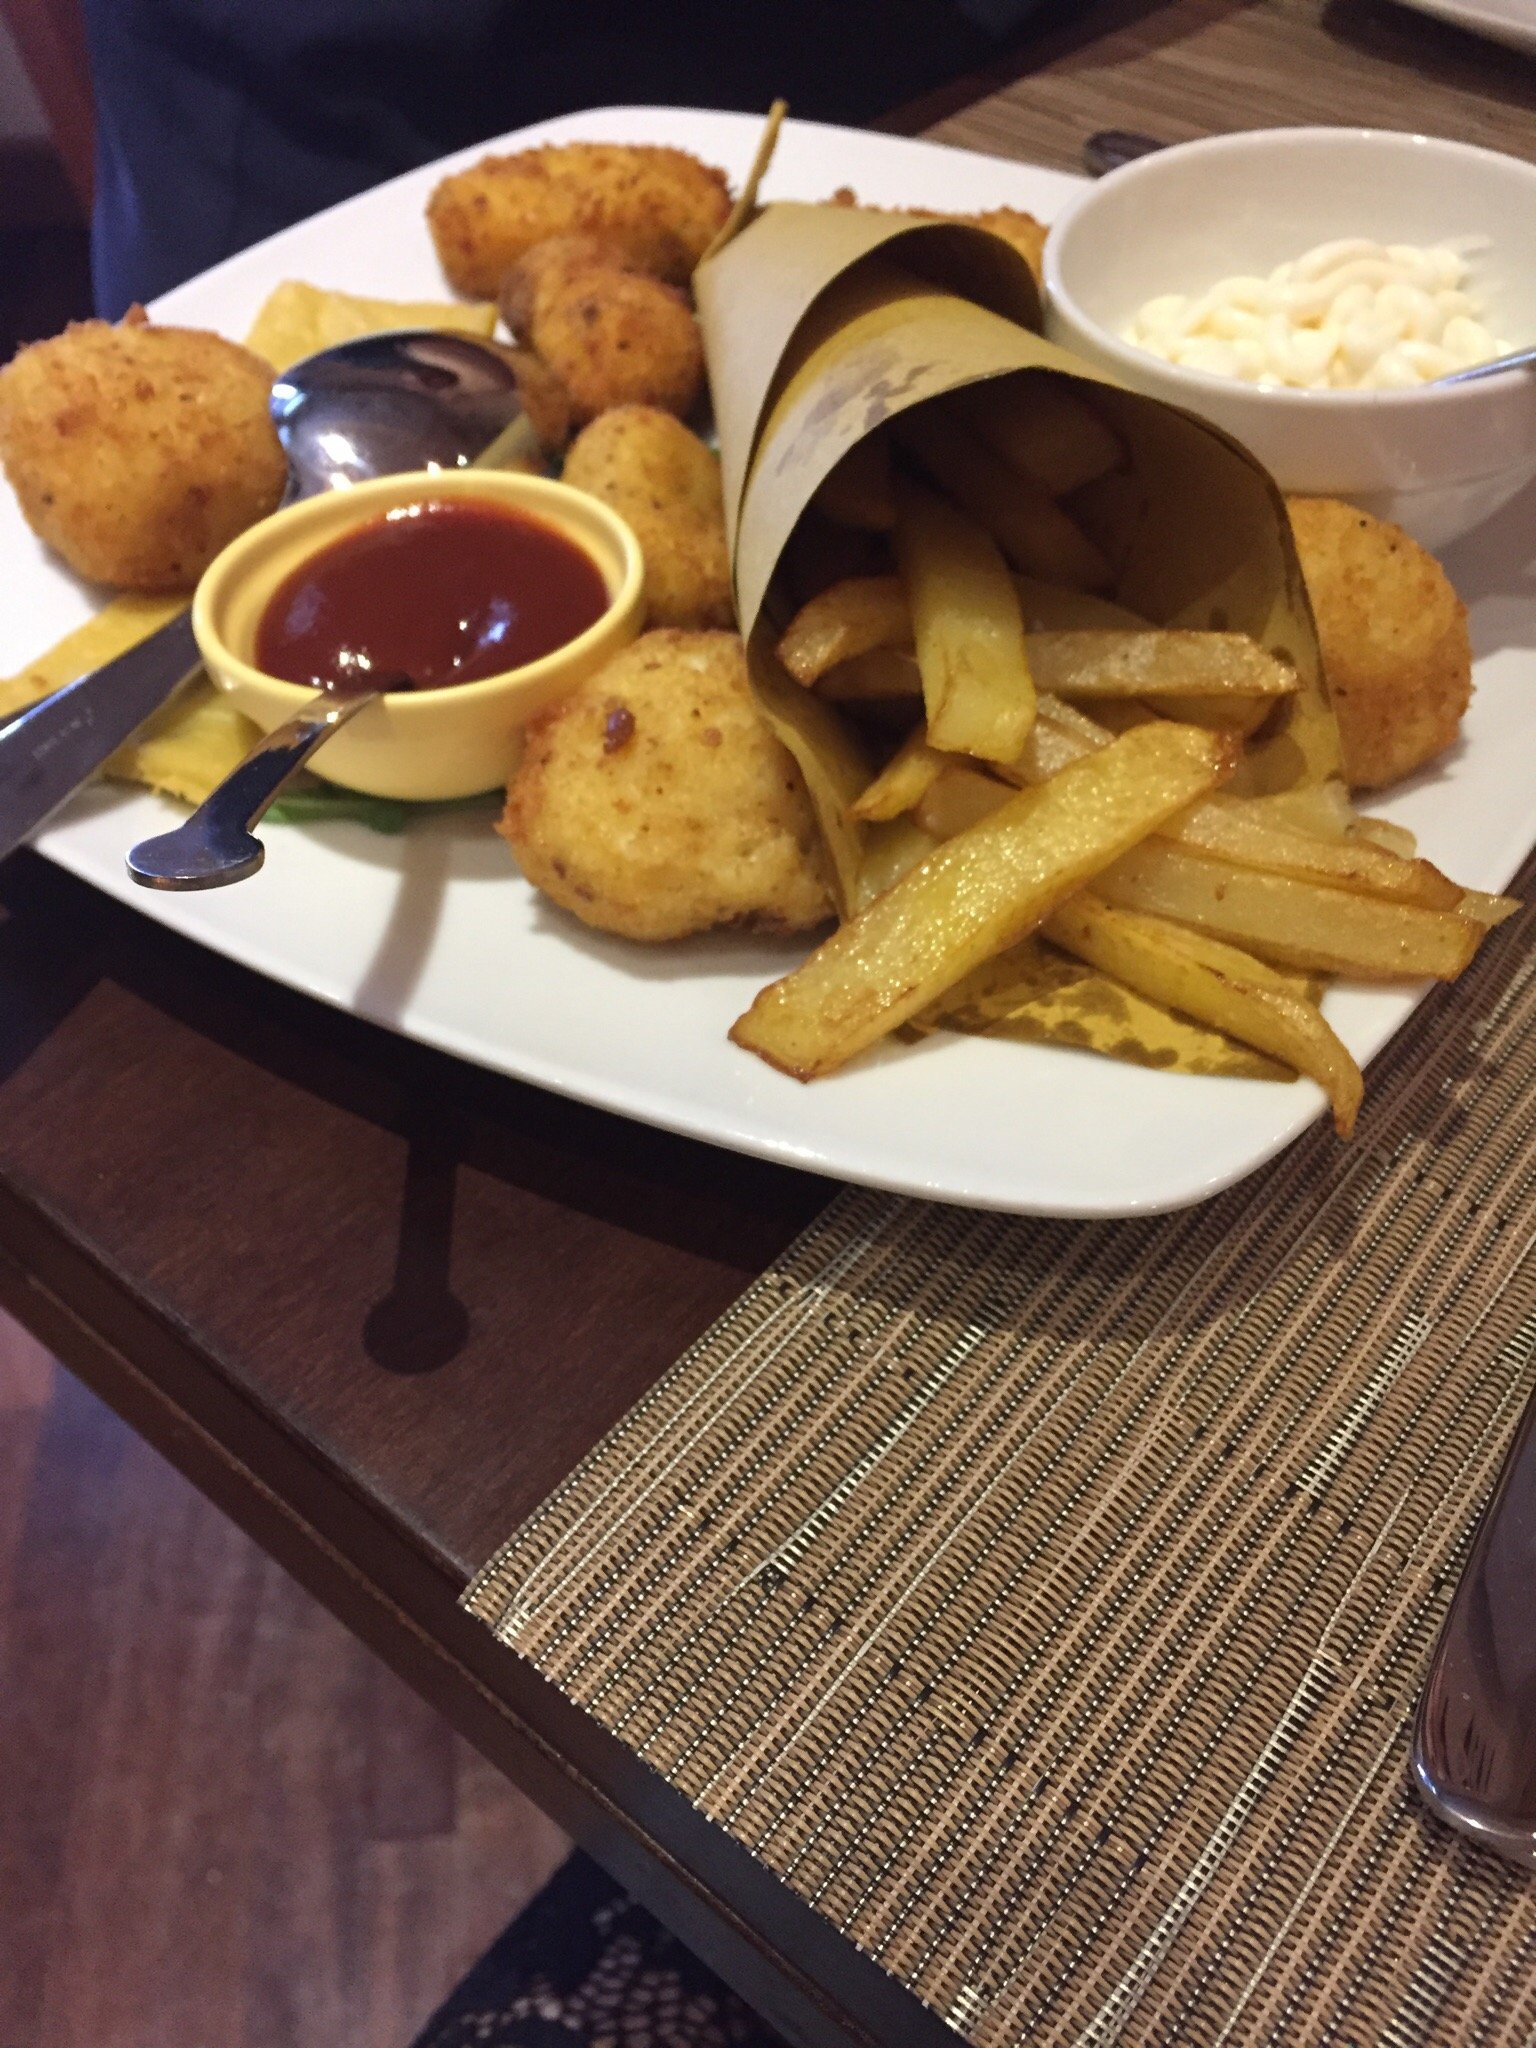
[378, 1304]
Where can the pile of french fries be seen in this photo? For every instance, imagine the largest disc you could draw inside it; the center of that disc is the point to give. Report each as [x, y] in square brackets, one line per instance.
[1047, 850]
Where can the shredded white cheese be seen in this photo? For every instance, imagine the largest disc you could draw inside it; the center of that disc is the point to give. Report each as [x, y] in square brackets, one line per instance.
[1347, 316]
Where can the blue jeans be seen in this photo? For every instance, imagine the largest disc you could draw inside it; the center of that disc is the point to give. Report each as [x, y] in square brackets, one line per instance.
[219, 121]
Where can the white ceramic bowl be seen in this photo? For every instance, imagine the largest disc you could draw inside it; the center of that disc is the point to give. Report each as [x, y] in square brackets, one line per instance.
[1439, 459]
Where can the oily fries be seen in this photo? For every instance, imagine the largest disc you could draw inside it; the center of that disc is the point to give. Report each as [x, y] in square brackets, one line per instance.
[850, 619]
[956, 798]
[1247, 831]
[1294, 923]
[1217, 985]
[1149, 663]
[903, 781]
[1025, 521]
[1236, 829]
[967, 629]
[976, 894]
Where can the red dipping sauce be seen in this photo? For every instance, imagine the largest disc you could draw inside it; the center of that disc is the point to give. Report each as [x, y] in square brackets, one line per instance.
[429, 596]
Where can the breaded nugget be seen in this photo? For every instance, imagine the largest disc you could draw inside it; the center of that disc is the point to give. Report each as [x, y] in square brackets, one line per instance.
[661, 206]
[616, 337]
[1393, 635]
[137, 452]
[660, 477]
[1022, 230]
[547, 262]
[654, 802]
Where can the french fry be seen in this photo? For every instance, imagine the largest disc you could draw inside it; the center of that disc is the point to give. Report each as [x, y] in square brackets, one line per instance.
[1237, 829]
[1246, 830]
[1040, 425]
[1218, 956]
[903, 781]
[1227, 989]
[1025, 521]
[882, 676]
[957, 798]
[860, 492]
[1480, 908]
[831, 761]
[973, 896]
[1322, 809]
[1154, 663]
[1296, 924]
[1053, 608]
[891, 850]
[967, 629]
[1382, 832]
[853, 617]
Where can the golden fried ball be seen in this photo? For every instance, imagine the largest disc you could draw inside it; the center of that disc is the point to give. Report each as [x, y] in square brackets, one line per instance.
[661, 478]
[654, 802]
[137, 452]
[1393, 635]
[661, 206]
[1021, 230]
[616, 337]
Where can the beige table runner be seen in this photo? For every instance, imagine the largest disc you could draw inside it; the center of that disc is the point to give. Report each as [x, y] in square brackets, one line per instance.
[1047, 1603]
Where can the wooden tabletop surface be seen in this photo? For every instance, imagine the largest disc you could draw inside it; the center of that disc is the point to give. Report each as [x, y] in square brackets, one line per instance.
[377, 1303]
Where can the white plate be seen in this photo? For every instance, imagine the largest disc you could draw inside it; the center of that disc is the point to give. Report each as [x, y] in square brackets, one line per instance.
[436, 936]
[1506, 21]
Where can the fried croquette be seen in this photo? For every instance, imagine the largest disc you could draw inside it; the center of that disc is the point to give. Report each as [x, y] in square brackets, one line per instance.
[651, 470]
[1021, 230]
[1393, 635]
[537, 268]
[612, 335]
[654, 802]
[661, 206]
[137, 452]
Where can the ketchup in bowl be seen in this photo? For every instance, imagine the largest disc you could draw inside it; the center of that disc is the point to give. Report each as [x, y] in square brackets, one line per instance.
[428, 596]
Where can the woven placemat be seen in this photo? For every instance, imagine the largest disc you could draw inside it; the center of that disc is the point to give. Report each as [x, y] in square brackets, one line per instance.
[1047, 1603]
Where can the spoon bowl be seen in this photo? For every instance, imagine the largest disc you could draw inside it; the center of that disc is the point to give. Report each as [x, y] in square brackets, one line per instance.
[387, 403]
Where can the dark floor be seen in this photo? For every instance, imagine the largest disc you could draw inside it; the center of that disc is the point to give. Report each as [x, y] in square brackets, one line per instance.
[221, 1820]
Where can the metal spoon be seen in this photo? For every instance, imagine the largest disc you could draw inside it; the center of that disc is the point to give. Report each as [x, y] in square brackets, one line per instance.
[1517, 359]
[1109, 148]
[375, 407]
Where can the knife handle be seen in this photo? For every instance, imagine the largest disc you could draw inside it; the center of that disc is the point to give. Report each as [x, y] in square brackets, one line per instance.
[1474, 1746]
[52, 747]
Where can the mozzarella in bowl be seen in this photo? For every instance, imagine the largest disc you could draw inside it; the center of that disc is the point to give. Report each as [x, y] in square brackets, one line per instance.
[1349, 315]
[1435, 457]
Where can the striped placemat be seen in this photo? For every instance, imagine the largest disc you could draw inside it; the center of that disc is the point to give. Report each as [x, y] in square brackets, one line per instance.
[1047, 1603]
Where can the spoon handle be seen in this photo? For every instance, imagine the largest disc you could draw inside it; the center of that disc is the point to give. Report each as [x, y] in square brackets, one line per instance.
[1110, 148]
[47, 751]
[216, 844]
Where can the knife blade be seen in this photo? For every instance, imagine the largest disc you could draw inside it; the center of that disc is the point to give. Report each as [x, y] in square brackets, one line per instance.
[1474, 1742]
[49, 750]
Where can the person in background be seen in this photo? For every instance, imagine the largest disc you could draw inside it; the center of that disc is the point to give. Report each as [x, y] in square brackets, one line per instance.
[220, 121]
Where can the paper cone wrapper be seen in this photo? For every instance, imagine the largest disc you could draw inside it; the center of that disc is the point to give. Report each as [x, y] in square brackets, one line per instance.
[821, 323]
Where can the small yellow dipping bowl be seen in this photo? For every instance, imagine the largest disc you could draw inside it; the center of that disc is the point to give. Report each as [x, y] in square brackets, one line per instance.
[425, 745]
